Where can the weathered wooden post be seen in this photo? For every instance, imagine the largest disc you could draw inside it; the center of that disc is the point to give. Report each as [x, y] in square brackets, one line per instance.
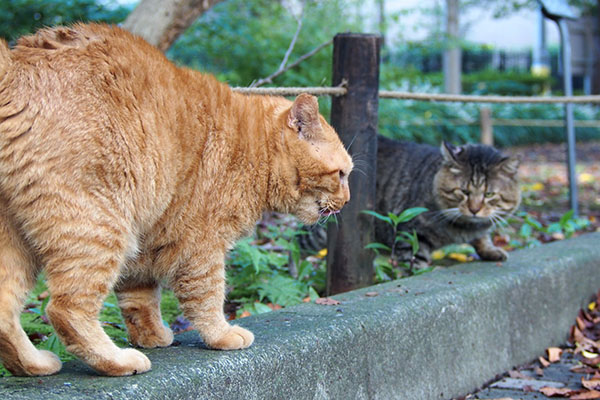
[354, 116]
[485, 123]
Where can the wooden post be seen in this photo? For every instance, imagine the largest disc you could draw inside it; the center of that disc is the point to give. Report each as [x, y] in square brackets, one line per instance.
[354, 116]
[485, 120]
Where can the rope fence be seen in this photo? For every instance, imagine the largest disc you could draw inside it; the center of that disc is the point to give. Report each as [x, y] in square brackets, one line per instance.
[387, 94]
[541, 123]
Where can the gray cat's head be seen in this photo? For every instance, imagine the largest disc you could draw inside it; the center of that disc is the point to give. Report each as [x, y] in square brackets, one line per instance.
[477, 181]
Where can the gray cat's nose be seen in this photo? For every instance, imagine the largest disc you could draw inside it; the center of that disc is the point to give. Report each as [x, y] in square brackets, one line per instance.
[475, 209]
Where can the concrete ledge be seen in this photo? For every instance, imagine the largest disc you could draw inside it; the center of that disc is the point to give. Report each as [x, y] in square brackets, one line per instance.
[435, 336]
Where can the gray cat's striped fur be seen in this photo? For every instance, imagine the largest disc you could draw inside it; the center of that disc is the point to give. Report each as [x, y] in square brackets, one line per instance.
[453, 183]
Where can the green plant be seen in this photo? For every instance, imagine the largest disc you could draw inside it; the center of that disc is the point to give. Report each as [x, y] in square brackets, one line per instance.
[267, 271]
[527, 231]
[385, 270]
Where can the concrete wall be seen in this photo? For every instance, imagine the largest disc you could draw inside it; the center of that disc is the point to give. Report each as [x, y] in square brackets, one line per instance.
[434, 336]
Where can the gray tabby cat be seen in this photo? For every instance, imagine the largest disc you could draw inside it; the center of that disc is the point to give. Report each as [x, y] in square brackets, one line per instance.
[466, 190]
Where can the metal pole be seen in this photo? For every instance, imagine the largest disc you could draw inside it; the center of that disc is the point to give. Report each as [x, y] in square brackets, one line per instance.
[565, 47]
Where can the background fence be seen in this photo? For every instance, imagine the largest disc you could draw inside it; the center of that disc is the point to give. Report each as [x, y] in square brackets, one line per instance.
[354, 115]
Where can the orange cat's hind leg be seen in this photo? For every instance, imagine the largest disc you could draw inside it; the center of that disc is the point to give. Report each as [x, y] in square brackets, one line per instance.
[81, 269]
[17, 277]
[140, 307]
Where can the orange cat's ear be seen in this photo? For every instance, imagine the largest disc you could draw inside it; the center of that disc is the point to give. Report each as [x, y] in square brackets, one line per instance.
[304, 117]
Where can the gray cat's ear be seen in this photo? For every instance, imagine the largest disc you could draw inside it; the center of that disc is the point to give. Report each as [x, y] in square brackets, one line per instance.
[510, 165]
[450, 152]
[304, 117]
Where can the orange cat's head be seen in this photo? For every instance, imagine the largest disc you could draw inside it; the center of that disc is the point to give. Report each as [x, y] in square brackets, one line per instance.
[318, 166]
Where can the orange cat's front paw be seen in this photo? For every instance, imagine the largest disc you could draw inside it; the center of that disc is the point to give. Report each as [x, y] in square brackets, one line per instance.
[125, 362]
[43, 363]
[235, 338]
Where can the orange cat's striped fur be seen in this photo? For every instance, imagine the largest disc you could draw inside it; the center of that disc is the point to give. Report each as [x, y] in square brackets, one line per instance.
[119, 170]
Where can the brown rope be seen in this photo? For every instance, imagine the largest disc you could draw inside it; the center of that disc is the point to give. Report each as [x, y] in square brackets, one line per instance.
[293, 91]
[387, 94]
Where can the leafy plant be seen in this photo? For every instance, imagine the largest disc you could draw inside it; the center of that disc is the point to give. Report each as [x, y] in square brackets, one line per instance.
[385, 270]
[527, 231]
[266, 272]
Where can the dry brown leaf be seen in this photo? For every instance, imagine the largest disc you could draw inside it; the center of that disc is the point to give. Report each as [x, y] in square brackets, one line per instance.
[582, 369]
[327, 301]
[371, 294]
[518, 375]
[592, 394]
[538, 371]
[558, 392]
[43, 295]
[592, 384]
[580, 323]
[554, 354]
[543, 361]
[586, 343]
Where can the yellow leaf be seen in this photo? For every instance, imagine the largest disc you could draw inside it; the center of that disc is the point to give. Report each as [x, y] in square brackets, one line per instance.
[592, 306]
[536, 187]
[588, 354]
[458, 257]
[586, 178]
[437, 255]
[322, 253]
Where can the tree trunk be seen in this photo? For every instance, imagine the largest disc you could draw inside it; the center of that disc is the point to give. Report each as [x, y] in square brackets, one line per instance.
[160, 22]
[452, 55]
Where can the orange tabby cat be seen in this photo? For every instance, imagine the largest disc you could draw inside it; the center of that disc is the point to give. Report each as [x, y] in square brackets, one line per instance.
[119, 170]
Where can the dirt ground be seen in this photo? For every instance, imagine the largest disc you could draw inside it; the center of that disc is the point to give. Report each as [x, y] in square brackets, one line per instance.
[543, 173]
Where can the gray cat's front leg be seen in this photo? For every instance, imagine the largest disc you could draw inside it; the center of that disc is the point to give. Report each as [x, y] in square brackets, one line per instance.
[420, 260]
[487, 251]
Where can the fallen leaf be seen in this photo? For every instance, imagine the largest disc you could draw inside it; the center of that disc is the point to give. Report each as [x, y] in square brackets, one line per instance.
[544, 362]
[554, 354]
[592, 306]
[458, 257]
[592, 384]
[437, 255]
[371, 294]
[322, 253]
[558, 236]
[584, 177]
[592, 394]
[274, 306]
[580, 323]
[588, 354]
[537, 186]
[538, 371]
[245, 314]
[306, 299]
[518, 375]
[582, 369]
[327, 301]
[43, 295]
[558, 392]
